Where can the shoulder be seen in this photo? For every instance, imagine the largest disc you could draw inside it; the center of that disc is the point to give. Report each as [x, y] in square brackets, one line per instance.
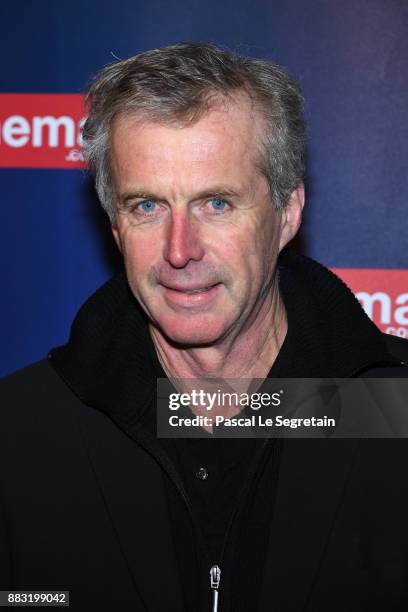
[398, 347]
[43, 426]
[397, 367]
[32, 377]
[37, 385]
[37, 409]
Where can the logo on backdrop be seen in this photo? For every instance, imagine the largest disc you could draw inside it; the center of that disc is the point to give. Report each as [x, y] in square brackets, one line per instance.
[41, 130]
[383, 294]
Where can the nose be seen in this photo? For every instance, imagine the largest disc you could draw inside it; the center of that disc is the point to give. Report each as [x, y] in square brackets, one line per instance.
[183, 242]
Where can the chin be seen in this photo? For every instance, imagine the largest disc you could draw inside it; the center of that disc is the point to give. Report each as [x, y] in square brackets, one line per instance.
[190, 332]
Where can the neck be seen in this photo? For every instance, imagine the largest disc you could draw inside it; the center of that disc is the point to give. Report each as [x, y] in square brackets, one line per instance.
[249, 354]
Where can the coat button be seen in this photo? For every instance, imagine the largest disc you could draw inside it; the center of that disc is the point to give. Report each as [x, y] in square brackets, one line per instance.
[202, 473]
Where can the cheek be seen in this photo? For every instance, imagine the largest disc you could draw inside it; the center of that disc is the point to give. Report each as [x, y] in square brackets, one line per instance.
[139, 254]
[230, 248]
[254, 243]
[268, 234]
[261, 251]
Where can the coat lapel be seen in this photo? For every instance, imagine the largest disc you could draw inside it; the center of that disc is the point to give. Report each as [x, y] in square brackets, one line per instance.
[133, 492]
[312, 477]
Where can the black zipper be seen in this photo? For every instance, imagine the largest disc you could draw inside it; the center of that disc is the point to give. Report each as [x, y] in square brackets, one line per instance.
[238, 504]
[149, 443]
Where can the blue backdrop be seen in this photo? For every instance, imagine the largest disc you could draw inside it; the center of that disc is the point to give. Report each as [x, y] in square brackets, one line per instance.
[351, 58]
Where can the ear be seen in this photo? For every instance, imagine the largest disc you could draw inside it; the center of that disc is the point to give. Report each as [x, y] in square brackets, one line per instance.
[292, 216]
[116, 235]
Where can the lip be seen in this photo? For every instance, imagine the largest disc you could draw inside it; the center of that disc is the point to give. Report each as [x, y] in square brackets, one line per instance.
[201, 296]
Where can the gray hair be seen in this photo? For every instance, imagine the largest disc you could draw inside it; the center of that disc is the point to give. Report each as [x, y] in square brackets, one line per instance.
[180, 83]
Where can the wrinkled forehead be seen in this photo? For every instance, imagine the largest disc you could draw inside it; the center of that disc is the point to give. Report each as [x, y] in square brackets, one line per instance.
[225, 138]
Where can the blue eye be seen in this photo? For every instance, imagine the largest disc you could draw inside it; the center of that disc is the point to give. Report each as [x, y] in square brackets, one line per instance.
[218, 204]
[147, 206]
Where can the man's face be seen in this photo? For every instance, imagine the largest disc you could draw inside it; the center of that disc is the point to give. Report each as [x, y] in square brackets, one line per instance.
[196, 226]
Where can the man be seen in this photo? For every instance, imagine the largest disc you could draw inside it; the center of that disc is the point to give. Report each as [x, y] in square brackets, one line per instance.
[198, 160]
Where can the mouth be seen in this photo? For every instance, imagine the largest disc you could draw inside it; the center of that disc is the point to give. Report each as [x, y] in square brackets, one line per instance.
[191, 291]
[188, 287]
[188, 297]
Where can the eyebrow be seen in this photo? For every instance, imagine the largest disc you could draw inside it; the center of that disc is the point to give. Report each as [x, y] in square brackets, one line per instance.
[217, 190]
[124, 198]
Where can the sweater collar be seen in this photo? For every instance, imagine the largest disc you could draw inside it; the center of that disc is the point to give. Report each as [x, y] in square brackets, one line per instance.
[329, 334]
[110, 362]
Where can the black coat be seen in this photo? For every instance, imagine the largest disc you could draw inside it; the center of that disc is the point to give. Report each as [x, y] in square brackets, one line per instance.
[83, 505]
